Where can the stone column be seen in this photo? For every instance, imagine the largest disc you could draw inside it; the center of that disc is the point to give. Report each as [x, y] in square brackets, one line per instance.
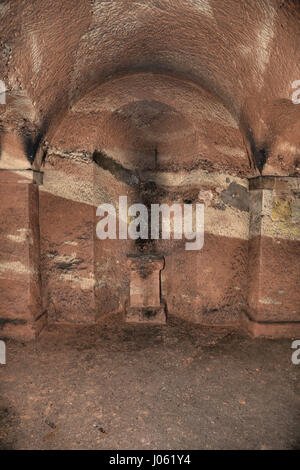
[21, 314]
[145, 304]
[274, 253]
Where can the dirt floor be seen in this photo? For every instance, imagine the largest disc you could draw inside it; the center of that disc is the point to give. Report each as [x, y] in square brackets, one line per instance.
[180, 386]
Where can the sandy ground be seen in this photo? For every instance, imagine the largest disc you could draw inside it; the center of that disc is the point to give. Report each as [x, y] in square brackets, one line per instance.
[116, 386]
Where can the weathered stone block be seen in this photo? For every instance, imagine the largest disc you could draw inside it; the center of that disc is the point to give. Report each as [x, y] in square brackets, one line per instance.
[145, 303]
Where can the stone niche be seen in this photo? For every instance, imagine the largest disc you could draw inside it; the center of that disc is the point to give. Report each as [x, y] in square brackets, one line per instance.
[145, 303]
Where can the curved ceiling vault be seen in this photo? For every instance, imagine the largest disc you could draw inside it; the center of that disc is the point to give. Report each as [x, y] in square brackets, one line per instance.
[156, 74]
[141, 117]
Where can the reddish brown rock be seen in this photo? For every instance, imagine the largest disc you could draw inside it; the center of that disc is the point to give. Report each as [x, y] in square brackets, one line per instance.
[21, 307]
[163, 102]
[145, 303]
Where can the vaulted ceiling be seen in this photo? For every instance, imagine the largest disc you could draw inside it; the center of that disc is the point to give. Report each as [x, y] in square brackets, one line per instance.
[200, 82]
